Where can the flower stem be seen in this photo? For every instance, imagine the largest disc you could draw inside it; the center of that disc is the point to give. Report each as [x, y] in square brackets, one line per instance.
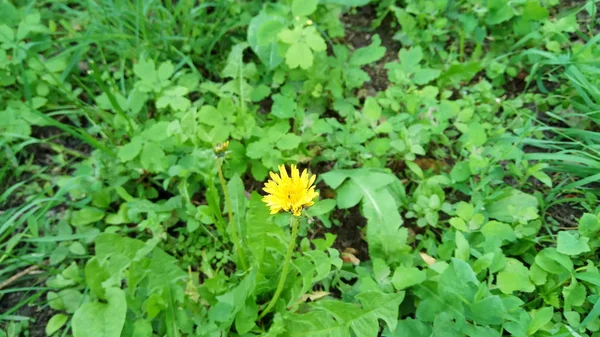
[286, 265]
[233, 227]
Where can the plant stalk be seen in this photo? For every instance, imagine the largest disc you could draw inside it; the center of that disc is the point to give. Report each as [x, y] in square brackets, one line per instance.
[234, 233]
[286, 266]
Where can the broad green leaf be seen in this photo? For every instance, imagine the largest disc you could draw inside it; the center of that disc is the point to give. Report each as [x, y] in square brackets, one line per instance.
[246, 317]
[239, 202]
[230, 303]
[463, 248]
[372, 110]
[321, 207]
[550, 260]
[266, 51]
[283, 106]
[7, 36]
[458, 223]
[120, 250]
[153, 157]
[95, 275]
[465, 210]
[165, 70]
[533, 11]
[384, 235]
[460, 172]
[260, 92]
[55, 323]
[350, 3]
[234, 67]
[405, 277]
[77, 248]
[498, 12]
[495, 232]
[55, 301]
[58, 255]
[424, 76]
[458, 283]
[348, 195]
[488, 311]
[266, 240]
[410, 327]
[142, 328]
[592, 315]
[289, 141]
[101, 319]
[515, 205]
[86, 215]
[571, 244]
[314, 324]
[574, 295]
[313, 39]
[377, 305]
[335, 178]
[475, 135]
[258, 149]
[268, 30]
[589, 226]
[540, 318]
[362, 321]
[163, 271]
[592, 277]
[369, 54]
[304, 7]
[514, 277]
[410, 58]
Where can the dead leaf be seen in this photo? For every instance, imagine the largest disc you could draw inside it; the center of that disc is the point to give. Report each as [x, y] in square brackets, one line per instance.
[427, 258]
[349, 257]
[350, 250]
[427, 163]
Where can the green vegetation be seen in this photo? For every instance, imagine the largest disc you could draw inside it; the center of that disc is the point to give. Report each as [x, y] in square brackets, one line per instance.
[455, 144]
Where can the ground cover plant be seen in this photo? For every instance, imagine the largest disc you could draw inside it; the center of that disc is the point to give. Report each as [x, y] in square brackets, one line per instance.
[299, 168]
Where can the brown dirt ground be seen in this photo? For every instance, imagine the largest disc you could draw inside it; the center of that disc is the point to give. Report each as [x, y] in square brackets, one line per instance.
[38, 313]
[359, 34]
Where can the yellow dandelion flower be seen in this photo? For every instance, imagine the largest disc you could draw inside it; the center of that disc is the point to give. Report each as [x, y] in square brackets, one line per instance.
[221, 148]
[290, 193]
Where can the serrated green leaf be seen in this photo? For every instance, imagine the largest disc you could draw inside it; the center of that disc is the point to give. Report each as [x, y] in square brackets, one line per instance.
[299, 55]
[589, 226]
[410, 58]
[362, 321]
[570, 243]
